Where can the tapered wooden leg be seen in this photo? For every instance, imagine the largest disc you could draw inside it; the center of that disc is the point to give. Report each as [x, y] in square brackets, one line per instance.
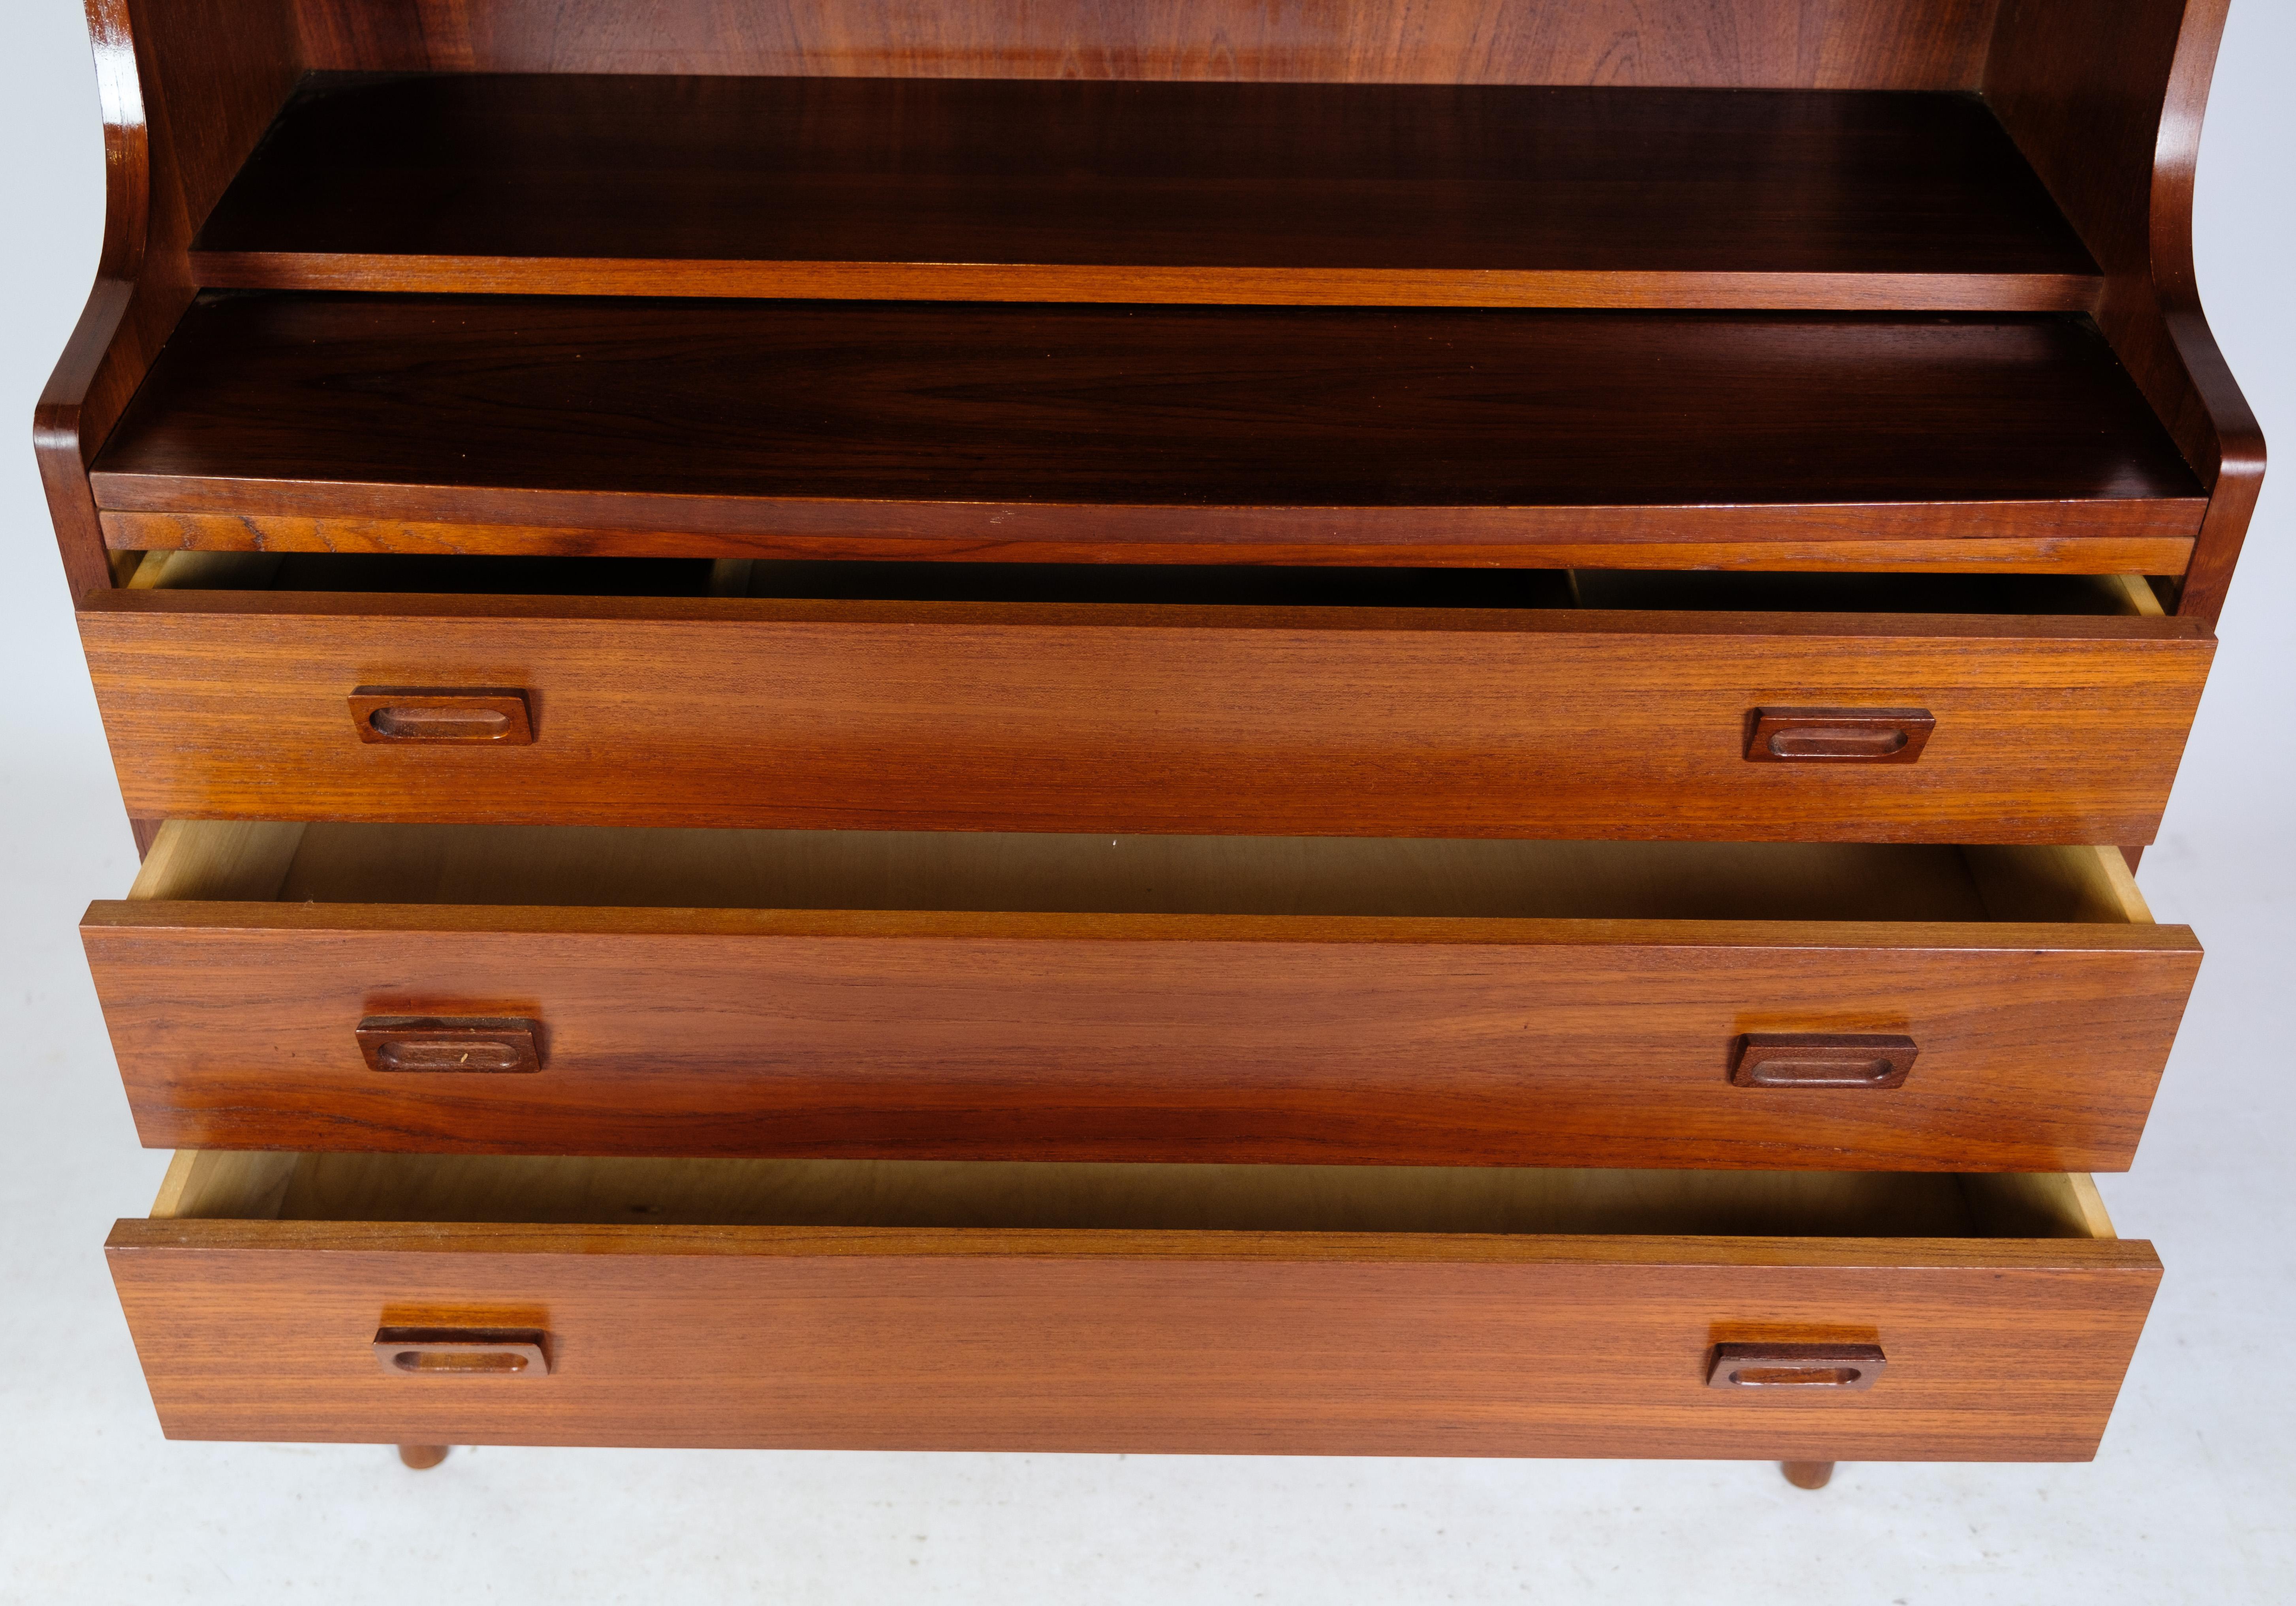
[422, 1457]
[1801, 1474]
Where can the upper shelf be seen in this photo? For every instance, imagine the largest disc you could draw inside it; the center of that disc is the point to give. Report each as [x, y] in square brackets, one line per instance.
[1146, 434]
[1071, 191]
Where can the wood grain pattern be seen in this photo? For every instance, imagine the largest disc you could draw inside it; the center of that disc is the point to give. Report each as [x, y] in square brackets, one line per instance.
[1134, 1341]
[1286, 1040]
[1839, 540]
[1868, 1060]
[493, 715]
[2038, 1205]
[455, 1045]
[462, 1351]
[220, 859]
[1247, 999]
[222, 1182]
[2057, 883]
[1835, 1366]
[1844, 735]
[2106, 100]
[1727, 44]
[188, 89]
[1360, 721]
[2107, 106]
[1073, 191]
[861, 428]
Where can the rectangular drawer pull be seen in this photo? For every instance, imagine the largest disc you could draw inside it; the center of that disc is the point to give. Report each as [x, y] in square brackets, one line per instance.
[484, 715]
[1845, 1367]
[451, 1044]
[1839, 736]
[1822, 1059]
[438, 1352]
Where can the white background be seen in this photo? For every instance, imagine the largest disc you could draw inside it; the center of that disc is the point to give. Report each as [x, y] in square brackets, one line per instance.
[2191, 1499]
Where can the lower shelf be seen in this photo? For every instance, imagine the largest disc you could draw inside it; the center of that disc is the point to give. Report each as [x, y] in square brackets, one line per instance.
[695, 428]
[1167, 1309]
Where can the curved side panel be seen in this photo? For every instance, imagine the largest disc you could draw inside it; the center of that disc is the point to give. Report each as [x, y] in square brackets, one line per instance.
[2106, 97]
[229, 65]
[2214, 398]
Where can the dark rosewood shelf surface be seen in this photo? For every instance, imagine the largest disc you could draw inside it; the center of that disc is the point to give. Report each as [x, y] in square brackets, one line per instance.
[692, 427]
[1006, 190]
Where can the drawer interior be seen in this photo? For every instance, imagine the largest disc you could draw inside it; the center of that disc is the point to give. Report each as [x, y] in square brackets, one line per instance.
[1203, 585]
[977, 1195]
[616, 867]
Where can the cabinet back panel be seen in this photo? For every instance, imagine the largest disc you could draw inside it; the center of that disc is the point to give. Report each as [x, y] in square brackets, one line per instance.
[1727, 44]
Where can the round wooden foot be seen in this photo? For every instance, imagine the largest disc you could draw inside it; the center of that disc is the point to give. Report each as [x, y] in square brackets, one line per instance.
[1808, 1474]
[422, 1457]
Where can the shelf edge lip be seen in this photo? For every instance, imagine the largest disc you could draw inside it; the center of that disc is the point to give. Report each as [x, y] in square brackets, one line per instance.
[2139, 552]
[2176, 514]
[1515, 289]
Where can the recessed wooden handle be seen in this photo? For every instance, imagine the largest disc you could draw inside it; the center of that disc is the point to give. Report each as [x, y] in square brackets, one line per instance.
[478, 715]
[449, 1352]
[1839, 736]
[1822, 1059]
[1843, 1367]
[454, 1043]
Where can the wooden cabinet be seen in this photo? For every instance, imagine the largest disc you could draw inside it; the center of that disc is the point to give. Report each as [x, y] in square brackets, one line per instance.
[1180, 727]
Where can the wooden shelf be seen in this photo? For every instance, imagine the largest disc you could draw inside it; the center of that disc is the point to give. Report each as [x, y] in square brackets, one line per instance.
[1155, 434]
[1069, 191]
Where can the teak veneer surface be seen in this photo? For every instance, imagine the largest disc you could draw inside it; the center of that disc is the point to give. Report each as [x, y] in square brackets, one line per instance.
[188, 87]
[1074, 191]
[2105, 97]
[754, 428]
[854, 714]
[1325, 1310]
[2102, 97]
[1731, 43]
[1143, 1338]
[967, 996]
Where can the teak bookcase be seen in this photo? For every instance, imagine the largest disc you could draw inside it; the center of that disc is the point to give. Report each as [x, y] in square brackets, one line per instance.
[1182, 727]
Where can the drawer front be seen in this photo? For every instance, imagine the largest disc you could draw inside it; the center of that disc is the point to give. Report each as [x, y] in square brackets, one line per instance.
[1138, 1342]
[1051, 718]
[1261, 1040]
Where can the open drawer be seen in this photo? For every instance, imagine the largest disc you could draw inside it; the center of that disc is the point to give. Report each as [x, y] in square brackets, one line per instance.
[1151, 1309]
[970, 997]
[1021, 697]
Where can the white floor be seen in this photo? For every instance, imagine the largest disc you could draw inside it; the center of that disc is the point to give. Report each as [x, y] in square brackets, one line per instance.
[2192, 1498]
